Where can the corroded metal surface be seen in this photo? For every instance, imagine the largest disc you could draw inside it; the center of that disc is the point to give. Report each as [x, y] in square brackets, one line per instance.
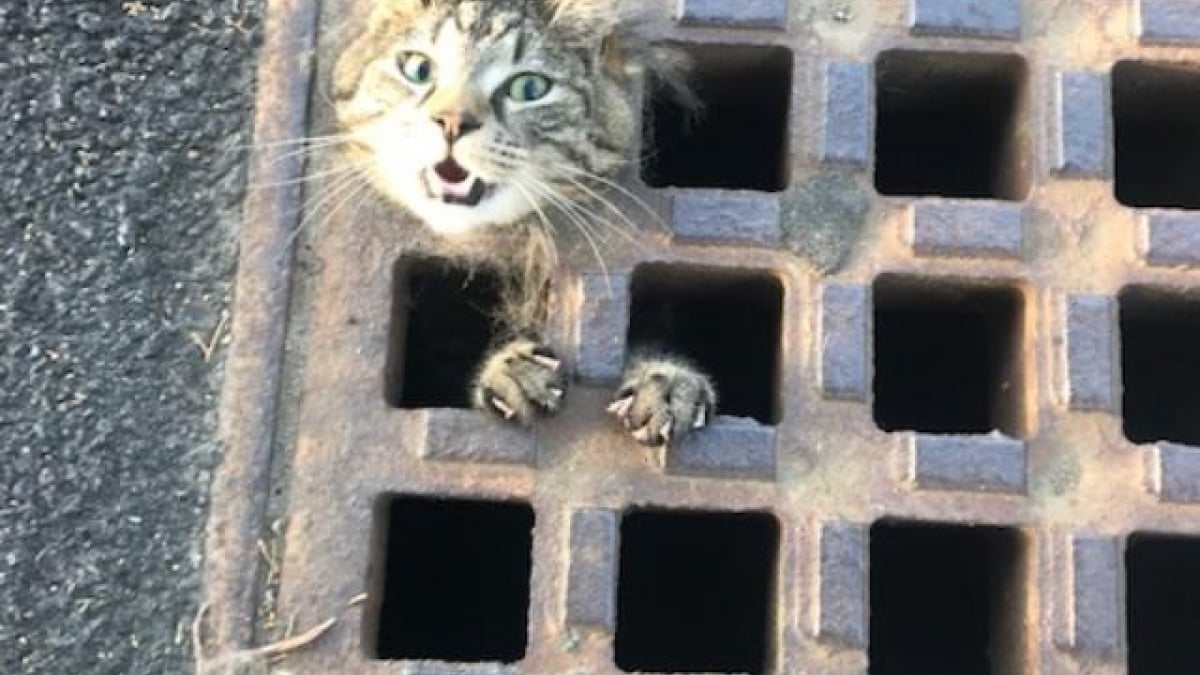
[1072, 485]
[250, 399]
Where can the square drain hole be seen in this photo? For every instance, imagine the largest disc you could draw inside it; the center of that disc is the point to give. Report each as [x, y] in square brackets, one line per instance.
[455, 579]
[946, 600]
[1157, 134]
[1160, 365]
[726, 322]
[441, 326]
[951, 125]
[1163, 604]
[695, 592]
[738, 138]
[949, 357]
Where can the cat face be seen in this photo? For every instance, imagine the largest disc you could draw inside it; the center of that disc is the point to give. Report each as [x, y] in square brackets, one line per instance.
[477, 113]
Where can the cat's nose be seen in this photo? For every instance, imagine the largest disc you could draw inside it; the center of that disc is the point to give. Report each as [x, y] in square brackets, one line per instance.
[455, 125]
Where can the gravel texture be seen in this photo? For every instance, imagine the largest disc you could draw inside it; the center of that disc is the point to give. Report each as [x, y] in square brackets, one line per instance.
[120, 182]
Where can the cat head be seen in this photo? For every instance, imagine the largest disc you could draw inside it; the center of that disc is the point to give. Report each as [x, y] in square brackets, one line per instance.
[476, 113]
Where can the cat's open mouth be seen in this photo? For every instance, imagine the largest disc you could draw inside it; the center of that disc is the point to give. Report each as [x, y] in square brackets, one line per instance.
[453, 183]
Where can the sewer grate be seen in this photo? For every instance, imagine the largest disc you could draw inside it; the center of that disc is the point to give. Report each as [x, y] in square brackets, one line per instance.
[735, 135]
[1157, 142]
[694, 592]
[946, 599]
[948, 358]
[455, 579]
[1159, 330]
[950, 124]
[727, 323]
[1164, 604]
[974, 436]
[441, 327]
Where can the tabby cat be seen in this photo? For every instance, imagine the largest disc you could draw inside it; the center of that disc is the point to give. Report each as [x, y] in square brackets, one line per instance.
[480, 116]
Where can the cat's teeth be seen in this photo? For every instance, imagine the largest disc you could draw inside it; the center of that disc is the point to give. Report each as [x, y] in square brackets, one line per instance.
[642, 434]
[467, 192]
[462, 189]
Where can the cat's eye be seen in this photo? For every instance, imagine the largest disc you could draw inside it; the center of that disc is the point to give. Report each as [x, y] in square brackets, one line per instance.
[416, 67]
[529, 87]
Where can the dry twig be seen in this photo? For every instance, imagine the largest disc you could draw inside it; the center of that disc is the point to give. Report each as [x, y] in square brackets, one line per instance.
[209, 347]
[229, 663]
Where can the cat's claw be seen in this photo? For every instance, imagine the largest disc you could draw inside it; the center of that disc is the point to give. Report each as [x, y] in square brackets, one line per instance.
[621, 406]
[503, 408]
[662, 400]
[520, 381]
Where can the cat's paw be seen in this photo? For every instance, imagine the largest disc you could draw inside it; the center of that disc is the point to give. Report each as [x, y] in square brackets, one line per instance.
[662, 399]
[520, 381]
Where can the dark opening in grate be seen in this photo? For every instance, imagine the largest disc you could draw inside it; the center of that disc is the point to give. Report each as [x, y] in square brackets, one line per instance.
[1157, 133]
[441, 326]
[738, 137]
[455, 579]
[1163, 604]
[726, 322]
[946, 600]
[1160, 335]
[695, 592]
[951, 125]
[948, 357]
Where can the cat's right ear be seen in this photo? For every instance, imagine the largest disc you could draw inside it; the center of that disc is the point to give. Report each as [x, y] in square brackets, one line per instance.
[348, 70]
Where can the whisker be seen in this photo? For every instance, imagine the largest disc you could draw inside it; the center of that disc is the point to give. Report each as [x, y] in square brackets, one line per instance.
[587, 175]
[566, 207]
[355, 192]
[310, 209]
[339, 186]
[546, 225]
[595, 218]
[312, 140]
[596, 196]
[302, 153]
[346, 190]
[309, 177]
[584, 230]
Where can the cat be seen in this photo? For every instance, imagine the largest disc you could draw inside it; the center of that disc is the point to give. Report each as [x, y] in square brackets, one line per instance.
[475, 116]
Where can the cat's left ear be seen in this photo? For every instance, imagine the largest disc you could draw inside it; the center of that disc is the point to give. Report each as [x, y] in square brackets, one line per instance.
[595, 17]
[593, 23]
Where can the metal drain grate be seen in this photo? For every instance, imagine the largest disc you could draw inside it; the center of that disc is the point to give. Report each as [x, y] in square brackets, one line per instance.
[695, 591]
[1157, 142]
[454, 580]
[1163, 601]
[948, 357]
[947, 599]
[971, 448]
[726, 323]
[441, 327]
[737, 138]
[951, 124]
[1159, 331]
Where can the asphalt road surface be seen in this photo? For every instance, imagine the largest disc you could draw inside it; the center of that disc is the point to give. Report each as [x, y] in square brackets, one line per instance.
[120, 184]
